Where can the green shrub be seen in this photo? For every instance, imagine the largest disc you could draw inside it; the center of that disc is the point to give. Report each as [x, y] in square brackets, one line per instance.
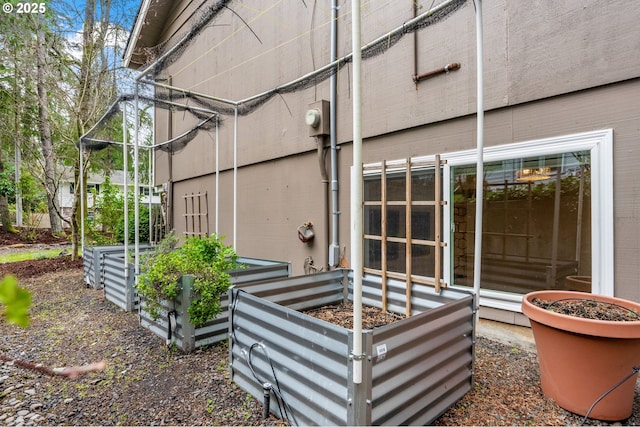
[207, 259]
[143, 227]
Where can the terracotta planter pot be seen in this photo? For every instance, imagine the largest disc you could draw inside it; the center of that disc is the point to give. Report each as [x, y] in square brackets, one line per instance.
[578, 283]
[581, 359]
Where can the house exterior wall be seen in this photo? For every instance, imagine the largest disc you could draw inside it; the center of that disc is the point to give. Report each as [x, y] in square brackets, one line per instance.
[578, 73]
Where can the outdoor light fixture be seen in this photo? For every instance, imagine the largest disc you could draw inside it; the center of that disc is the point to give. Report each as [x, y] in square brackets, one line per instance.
[533, 174]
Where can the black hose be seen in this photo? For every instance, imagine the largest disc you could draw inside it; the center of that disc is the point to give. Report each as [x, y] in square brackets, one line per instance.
[283, 407]
[634, 371]
[169, 333]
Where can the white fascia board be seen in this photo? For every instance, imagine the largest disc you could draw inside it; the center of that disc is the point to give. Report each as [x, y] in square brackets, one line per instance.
[137, 29]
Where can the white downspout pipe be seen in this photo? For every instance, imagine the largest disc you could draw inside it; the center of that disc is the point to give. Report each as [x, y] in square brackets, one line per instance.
[477, 257]
[334, 248]
[356, 194]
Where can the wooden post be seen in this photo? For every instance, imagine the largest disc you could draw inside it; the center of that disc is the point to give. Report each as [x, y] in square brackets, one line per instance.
[206, 217]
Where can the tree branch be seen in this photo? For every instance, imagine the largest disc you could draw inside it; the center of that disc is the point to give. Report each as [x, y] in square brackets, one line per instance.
[69, 372]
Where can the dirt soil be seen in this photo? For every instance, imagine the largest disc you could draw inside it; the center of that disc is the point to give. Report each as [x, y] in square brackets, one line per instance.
[587, 308]
[145, 383]
[25, 236]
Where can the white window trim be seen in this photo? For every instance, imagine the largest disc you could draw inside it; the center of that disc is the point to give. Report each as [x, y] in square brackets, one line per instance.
[600, 144]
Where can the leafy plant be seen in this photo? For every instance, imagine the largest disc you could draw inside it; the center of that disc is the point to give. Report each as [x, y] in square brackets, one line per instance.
[16, 301]
[143, 224]
[107, 227]
[7, 184]
[206, 259]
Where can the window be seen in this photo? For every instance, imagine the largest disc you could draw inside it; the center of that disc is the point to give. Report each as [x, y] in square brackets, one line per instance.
[91, 188]
[144, 191]
[547, 214]
[536, 228]
[533, 235]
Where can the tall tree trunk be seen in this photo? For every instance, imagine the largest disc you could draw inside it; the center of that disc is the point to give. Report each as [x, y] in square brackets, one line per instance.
[82, 118]
[45, 136]
[17, 103]
[5, 216]
[75, 213]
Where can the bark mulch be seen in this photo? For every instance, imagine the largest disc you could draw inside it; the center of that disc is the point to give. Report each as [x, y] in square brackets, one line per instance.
[146, 383]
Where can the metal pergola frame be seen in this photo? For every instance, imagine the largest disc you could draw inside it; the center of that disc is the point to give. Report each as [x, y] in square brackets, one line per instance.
[356, 170]
[124, 100]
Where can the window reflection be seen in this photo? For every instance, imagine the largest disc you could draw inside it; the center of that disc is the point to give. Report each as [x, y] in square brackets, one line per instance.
[536, 222]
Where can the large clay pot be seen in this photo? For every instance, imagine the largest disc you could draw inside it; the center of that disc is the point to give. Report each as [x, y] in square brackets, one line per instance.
[578, 283]
[581, 359]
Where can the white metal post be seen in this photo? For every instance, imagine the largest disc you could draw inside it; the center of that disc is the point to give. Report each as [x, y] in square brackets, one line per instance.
[18, 174]
[217, 173]
[125, 178]
[235, 179]
[356, 194]
[477, 253]
[136, 184]
[81, 195]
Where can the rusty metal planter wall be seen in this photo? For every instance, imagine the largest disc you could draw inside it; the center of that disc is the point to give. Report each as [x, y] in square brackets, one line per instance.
[184, 334]
[414, 369]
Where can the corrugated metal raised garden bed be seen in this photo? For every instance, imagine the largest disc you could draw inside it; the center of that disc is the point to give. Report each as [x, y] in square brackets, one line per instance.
[414, 369]
[93, 262]
[173, 320]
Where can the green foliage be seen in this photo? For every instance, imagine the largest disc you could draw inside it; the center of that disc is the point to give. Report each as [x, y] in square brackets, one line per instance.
[23, 256]
[569, 186]
[16, 301]
[7, 184]
[206, 259]
[109, 206]
[143, 225]
[33, 195]
[107, 227]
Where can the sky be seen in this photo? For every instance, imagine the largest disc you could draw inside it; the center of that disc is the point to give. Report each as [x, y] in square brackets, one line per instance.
[71, 17]
[123, 11]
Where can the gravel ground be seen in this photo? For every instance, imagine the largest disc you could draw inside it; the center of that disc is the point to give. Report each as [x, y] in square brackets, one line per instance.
[145, 383]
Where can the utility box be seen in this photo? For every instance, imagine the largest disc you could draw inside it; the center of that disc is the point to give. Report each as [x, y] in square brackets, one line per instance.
[317, 118]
